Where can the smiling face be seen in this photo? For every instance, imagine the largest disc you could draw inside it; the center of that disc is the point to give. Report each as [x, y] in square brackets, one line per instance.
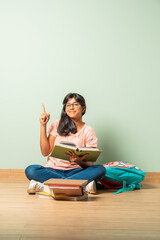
[74, 109]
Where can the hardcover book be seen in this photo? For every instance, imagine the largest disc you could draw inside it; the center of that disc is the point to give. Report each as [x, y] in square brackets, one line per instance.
[60, 149]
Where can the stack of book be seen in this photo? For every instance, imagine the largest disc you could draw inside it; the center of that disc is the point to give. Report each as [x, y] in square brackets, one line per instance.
[64, 189]
[67, 189]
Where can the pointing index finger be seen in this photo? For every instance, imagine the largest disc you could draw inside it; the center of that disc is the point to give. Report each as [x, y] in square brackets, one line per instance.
[43, 107]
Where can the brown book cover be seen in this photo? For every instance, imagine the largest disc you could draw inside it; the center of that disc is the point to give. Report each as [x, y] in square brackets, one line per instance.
[54, 181]
[66, 186]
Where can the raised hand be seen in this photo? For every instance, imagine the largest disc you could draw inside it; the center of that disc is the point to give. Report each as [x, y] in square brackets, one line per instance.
[44, 117]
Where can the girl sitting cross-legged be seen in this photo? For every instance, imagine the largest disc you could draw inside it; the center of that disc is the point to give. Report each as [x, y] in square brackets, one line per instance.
[71, 128]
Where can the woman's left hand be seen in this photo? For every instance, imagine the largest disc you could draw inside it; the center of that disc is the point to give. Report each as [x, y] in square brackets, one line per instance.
[74, 158]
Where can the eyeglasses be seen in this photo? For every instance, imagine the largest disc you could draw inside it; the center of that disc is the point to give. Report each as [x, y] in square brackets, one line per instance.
[75, 105]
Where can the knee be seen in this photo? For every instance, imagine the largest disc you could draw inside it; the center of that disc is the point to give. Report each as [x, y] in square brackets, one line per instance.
[100, 172]
[30, 172]
[101, 169]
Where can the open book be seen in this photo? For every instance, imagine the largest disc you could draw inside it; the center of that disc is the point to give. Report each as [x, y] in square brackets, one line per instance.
[63, 147]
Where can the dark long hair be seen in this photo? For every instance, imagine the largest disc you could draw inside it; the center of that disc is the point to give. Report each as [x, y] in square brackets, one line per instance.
[66, 125]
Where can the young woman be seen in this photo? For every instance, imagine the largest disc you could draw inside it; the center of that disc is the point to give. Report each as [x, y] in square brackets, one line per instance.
[69, 128]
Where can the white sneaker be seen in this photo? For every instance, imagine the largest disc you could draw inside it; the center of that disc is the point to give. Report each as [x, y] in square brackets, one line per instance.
[35, 187]
[91, 187]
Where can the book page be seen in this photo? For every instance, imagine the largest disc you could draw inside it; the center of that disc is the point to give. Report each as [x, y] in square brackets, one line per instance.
[68, 144]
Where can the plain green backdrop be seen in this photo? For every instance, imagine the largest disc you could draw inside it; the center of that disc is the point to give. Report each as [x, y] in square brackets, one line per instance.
[108, 51]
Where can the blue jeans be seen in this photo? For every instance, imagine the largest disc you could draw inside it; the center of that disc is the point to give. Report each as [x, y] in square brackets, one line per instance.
[42, 174]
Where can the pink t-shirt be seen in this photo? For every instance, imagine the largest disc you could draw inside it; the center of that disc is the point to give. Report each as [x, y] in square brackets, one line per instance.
[86, 137]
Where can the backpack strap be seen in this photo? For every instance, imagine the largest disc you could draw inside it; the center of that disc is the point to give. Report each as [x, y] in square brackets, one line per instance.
[130, 187]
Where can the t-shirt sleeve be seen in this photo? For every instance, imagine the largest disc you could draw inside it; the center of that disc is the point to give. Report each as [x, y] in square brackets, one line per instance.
[52, 130]
[91, 138]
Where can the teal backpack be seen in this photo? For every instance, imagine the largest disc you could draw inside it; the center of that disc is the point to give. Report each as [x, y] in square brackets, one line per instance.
[122, 175]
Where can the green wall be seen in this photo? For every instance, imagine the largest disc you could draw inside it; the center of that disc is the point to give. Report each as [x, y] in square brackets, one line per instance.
[108, 51]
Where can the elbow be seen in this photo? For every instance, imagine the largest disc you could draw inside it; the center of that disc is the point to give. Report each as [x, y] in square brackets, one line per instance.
[45, 151]
[45, 154]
